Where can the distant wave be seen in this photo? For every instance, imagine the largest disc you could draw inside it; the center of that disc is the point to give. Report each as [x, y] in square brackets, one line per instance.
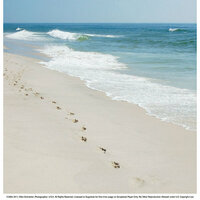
[25, 35]
[175, 29]
[56, 33]
[19, 29]
[99, 35]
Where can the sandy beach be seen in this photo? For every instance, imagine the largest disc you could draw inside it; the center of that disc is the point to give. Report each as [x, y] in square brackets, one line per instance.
[62, 137]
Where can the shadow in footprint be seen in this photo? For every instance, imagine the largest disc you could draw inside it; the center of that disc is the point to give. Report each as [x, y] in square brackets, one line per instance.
[75, 120]
[103, 149]
[115, 165]
[36, 93]
[138, 182]
[84, 139]
[83, 128]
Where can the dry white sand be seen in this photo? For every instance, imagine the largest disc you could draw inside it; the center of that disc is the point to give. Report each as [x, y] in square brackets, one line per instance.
[44, 151]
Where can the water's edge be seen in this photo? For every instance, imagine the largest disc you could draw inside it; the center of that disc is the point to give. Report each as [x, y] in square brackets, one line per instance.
[40, 62]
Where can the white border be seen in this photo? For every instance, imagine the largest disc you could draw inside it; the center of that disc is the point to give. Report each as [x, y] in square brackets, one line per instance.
[1, 99]
[197, 196]
[198, 95]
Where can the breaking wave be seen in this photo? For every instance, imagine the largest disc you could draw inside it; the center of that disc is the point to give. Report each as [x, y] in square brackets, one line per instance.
[99, 35]
[64, 35]
[175, 29]
[56, 33]
[19, 29]
[26, 35]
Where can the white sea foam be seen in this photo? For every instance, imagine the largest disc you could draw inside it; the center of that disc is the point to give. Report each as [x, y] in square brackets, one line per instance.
[63, 35]
[173, 29]
[74, 36]
[106, 36]
[100, 71]
[63, 55]
[26, 35]
[19, 29]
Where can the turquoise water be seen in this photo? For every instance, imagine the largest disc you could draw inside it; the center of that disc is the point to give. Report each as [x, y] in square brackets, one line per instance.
[151, 65]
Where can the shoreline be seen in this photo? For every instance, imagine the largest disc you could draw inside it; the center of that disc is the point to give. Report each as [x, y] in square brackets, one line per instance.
[188, 125]
[129, 135]
[107, 95]
[103, 92]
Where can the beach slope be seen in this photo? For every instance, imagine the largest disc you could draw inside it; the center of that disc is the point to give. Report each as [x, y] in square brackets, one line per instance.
[62, 137]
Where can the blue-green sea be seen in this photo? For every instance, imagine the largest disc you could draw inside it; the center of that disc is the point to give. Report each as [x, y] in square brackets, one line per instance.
[151, 65]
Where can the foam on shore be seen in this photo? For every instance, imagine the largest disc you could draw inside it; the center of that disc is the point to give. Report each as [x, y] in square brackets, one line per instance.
[100, 73]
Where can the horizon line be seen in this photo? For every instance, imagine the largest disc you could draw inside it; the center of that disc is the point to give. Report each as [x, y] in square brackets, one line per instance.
[101, 22]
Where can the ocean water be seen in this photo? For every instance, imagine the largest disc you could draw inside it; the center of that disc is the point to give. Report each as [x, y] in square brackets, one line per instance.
[151, 65]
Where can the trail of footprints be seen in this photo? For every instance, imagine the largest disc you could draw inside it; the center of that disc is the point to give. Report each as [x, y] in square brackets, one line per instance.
[26, 91]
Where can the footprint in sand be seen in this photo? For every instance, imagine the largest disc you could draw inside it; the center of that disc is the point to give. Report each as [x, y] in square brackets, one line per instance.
[54, 102]
[115, 165]
[75, 120]
[138, 182]
[26, 94]
[83, 128]
[58, 108]
[103, 149]
[41, 97]
[36, 93]
[84, 139]
[71, 113]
